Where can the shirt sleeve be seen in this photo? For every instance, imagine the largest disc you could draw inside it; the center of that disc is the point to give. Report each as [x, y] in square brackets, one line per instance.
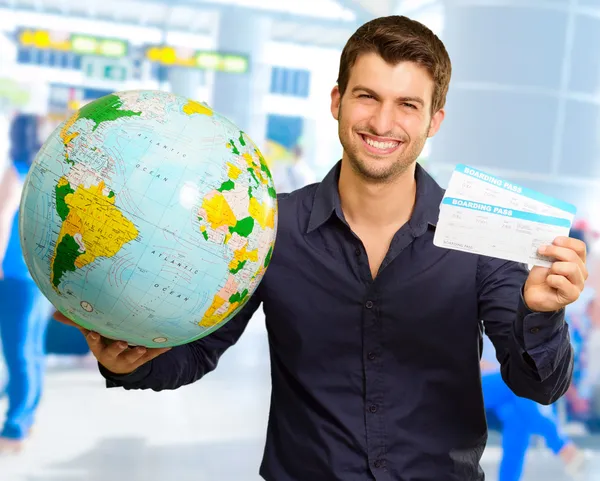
[188, 363]
[533, 348]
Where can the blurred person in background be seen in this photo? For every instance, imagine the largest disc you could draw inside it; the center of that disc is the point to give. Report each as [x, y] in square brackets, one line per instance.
[521, 418]
[294, 174]
[24, 311]
[587, 391]
[580, 327]
[4, 128]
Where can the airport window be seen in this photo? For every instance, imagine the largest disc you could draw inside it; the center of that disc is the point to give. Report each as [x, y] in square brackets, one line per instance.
[48, 58]
[160, 73]
[285, 130]
[24, 55]
[76, 62]
[54, 59]
[285, 81]
[38, 56]
[65, 61]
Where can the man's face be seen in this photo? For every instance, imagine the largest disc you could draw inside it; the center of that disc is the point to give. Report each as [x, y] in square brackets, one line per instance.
[384, 116]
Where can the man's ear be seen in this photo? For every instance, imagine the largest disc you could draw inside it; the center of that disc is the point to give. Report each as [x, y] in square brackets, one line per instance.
[336, 98]
[436, 122]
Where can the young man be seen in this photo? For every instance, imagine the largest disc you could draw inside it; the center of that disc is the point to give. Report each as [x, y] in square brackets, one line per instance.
[374, 332]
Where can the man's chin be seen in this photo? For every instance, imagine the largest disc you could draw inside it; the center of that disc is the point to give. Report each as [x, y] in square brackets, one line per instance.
[376, 173]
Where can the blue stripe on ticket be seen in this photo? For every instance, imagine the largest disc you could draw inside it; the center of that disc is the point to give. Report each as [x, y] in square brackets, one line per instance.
[503, 211]
[516, 189]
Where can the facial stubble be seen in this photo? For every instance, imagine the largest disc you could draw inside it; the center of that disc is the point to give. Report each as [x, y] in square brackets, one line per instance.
[405, 159]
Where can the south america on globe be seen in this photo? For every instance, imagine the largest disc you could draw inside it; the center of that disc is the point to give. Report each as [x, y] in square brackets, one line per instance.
[149, 218]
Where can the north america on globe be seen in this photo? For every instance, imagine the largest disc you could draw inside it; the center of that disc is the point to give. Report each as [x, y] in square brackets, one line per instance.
[162, 222]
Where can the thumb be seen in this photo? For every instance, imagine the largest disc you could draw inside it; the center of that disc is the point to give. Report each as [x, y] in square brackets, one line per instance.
[538, 274]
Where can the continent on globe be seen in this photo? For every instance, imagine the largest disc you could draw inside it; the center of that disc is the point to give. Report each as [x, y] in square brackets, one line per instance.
[220, 221]
[257, 167]
[241, 256]
[92, 227]
[104, 109]
[192, 108]
[234, 171]
[225, 303]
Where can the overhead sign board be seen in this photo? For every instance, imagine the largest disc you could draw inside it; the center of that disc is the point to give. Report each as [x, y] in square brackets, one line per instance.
[81, 44]
[201, 59]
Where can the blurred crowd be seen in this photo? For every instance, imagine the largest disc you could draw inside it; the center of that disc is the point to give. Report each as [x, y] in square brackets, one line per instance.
[583, 398]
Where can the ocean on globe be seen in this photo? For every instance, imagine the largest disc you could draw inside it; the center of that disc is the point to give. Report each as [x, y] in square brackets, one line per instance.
[149, 218]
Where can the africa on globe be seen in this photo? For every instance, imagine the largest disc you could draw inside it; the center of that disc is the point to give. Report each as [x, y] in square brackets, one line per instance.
[149, 218]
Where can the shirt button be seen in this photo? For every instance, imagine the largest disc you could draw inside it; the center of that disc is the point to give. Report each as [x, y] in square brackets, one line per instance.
[378, 463]
[357, 252]
[369, 304]
[534, 330]
[373, 408]
[371, 356]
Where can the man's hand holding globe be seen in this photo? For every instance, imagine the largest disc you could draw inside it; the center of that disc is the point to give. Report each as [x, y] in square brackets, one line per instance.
[116, 356]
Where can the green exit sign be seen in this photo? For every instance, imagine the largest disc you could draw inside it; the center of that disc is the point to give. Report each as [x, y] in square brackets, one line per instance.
[106, 69]
[115, 72]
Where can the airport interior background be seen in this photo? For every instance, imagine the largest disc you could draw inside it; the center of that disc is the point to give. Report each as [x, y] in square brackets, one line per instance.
[524, 104]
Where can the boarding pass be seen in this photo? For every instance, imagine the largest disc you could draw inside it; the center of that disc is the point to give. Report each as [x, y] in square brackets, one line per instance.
[473, 184]
[485, 215]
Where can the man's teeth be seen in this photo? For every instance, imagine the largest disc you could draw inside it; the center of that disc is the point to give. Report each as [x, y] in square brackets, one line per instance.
[381, 145]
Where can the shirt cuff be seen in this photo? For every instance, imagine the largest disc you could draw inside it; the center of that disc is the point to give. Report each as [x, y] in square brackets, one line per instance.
[119, 380]
[540, 335]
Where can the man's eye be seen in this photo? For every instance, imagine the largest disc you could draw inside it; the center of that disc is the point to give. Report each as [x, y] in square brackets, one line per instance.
[410, 106]
[365, 96]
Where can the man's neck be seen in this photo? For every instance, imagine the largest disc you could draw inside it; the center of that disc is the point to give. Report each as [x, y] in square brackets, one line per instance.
[386, 204]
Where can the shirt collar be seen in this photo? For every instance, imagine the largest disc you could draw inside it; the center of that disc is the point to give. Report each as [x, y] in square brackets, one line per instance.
[425, 214]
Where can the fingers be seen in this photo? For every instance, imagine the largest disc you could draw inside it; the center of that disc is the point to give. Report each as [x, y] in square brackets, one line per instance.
[140, 355]
[105, 354]
[575, 245]
[137, 356]
[98, 347]
[152, 353]
[113, 350]
[118, 357]
[565, 254]
[560, 253]
[571, 271]
[133, 355]
[565, 289]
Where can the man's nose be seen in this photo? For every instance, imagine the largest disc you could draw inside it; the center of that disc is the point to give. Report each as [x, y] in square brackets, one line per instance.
[383, 120]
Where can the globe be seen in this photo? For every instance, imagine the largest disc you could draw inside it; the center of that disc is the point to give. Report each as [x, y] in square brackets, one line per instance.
[148, 217]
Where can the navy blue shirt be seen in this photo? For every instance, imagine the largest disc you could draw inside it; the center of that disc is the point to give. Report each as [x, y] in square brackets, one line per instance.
[379, 379]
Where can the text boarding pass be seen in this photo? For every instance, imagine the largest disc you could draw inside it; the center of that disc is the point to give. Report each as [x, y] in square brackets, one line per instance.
[472, 184]
[497, 231]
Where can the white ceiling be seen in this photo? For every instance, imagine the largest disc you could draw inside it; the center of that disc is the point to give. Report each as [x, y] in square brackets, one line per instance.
[371, 8]
[322, 23]
[325, 23]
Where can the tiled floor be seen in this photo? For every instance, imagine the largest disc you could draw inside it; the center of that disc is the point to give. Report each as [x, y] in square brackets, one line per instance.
[211, 430]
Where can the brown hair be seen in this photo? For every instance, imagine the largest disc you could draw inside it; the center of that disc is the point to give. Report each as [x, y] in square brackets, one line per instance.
[397, 39]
